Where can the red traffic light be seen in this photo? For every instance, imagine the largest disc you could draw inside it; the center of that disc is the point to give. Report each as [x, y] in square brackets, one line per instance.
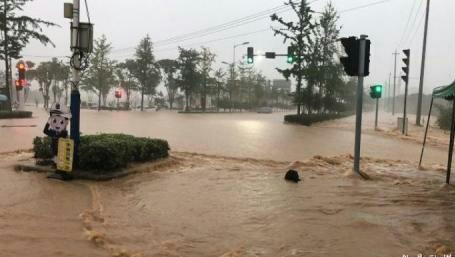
[21, 71]
[19, 85]
[118, 93]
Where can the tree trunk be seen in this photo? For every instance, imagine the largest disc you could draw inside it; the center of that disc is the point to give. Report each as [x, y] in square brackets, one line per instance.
[298, 94]
[230, 101]
[99, 101]
[186, 101]
[218, 99]
[7, 64]
[66, 93]
[127, 104]
[142, 99]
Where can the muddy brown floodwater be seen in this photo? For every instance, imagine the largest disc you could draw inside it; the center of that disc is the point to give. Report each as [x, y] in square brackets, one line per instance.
[239, 135]
[211, 205]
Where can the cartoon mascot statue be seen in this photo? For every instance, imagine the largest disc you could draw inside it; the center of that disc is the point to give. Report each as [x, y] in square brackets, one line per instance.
[56, 126]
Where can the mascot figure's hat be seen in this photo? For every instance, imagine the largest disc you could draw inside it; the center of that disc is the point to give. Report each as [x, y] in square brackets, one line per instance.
[61, 110]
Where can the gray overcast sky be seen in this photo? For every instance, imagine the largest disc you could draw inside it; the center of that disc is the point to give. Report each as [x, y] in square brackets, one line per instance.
[126, 22]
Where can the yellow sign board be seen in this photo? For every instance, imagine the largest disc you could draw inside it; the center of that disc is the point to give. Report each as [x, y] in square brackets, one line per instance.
[65, 154]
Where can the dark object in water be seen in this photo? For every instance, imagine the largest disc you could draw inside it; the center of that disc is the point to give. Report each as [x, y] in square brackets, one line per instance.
[292, 175]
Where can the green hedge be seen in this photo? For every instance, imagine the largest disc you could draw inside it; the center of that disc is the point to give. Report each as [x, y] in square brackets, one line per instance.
[106, 153]
[15, 115]
[42, 147]
[309, 119]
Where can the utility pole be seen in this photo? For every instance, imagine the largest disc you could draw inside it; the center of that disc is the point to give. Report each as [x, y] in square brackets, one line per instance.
[388, 92]
[394, 82]
[422, 68]
[76, 77]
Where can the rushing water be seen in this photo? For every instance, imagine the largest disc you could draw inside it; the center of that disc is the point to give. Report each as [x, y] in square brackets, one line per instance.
[196, 205]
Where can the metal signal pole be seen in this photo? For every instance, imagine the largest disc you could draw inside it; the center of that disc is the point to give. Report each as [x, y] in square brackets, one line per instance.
[359, 104]
[394, 82]
[76, 77]
[422, 69]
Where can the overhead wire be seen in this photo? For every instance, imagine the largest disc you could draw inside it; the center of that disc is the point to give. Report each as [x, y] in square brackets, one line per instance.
[215, 29]
[411, 39]
[405, 31]
[219, 28]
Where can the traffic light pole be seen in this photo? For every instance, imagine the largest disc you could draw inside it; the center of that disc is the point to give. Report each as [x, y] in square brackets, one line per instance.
[75, 95]
[376, 117]
[359, 104]
[404, 131]
[394, 83]
[406, 69]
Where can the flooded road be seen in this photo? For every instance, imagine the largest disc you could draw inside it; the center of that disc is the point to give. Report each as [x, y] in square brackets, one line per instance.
[240, 135]
[194, 205]
[202, 203]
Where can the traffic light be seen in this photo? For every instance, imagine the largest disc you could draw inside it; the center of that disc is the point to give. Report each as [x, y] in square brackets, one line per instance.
[291, 55]
[21, 71]
[376, 91]
[18, 85]
[407, 53]
[250, 55]
[270, 55]
[351, 61]
[366, 70]
[118, 93]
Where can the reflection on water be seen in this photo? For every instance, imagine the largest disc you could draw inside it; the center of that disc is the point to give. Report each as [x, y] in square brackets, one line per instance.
[240, 134]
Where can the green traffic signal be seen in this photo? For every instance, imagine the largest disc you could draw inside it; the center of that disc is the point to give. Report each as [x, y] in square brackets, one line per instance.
[290, 59]
[376, 91]
[249, 60]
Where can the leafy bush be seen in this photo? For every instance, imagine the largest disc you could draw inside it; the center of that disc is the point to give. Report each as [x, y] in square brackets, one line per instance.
[15, 115]
[108, 152]
[42, 147]
[444, 120]
[308, 119]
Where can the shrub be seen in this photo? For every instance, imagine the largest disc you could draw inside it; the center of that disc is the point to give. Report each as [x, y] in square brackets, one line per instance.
[15, 115]
[444, 120]
[108, 152]
[42, 147]
[308, 119]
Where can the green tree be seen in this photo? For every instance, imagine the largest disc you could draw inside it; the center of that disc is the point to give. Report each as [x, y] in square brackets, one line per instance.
[190, 77]
[100, 74]
[299, 34]
[63, 76]
[169, 69]
[207, 60]
[147, 71]
[43, 75]
[18, 29]
[231, 85]
[125, 76]
[219, 82]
